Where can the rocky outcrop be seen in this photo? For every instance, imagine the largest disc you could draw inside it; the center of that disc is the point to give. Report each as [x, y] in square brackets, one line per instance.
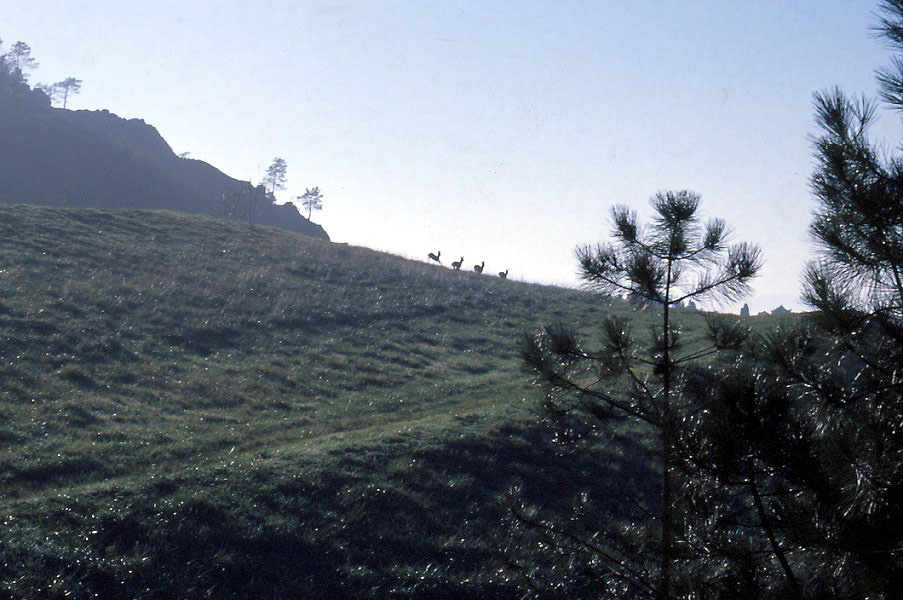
[59, 157]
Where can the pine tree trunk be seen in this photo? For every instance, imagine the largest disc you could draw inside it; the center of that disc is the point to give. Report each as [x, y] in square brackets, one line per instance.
[667, 436]
[775, 546]
[667, 517]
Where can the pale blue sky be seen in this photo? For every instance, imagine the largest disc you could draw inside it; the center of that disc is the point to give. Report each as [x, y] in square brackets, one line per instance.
[500, 131]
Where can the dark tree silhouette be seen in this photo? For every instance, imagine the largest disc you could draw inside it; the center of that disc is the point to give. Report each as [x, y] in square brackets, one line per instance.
[674, 260]
[312, 200]
[68, 86]
[275, 176]
[61, 90]
[19, 62]
[14, 88]
[805, 429]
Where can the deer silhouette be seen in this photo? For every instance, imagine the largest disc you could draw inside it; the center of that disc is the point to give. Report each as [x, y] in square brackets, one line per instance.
[479, 268]
[456, 265]
[435, 256]
[503, 274]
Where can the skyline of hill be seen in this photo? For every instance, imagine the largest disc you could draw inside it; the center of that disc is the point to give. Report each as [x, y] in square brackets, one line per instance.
[59, 157]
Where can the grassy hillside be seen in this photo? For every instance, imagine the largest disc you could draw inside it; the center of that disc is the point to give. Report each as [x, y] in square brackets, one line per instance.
[197, 408]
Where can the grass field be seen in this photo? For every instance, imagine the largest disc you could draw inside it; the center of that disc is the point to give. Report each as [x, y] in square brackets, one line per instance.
[194, 408]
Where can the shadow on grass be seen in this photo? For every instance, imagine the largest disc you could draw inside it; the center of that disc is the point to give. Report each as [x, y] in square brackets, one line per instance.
[408, 516]
[436, 522]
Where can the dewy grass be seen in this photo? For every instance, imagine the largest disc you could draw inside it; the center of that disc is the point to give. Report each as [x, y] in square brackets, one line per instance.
[200, 408]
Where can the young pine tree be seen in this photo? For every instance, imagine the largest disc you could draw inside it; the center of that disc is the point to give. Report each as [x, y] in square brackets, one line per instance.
[275, 177]
[672, 261]
[312, 200]
[810, 423]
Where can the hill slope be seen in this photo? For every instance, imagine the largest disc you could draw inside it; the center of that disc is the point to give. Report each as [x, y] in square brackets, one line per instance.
[58, 157]
[201, 408]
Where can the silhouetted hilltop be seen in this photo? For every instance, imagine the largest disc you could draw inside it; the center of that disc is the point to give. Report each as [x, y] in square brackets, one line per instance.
[58, 157]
